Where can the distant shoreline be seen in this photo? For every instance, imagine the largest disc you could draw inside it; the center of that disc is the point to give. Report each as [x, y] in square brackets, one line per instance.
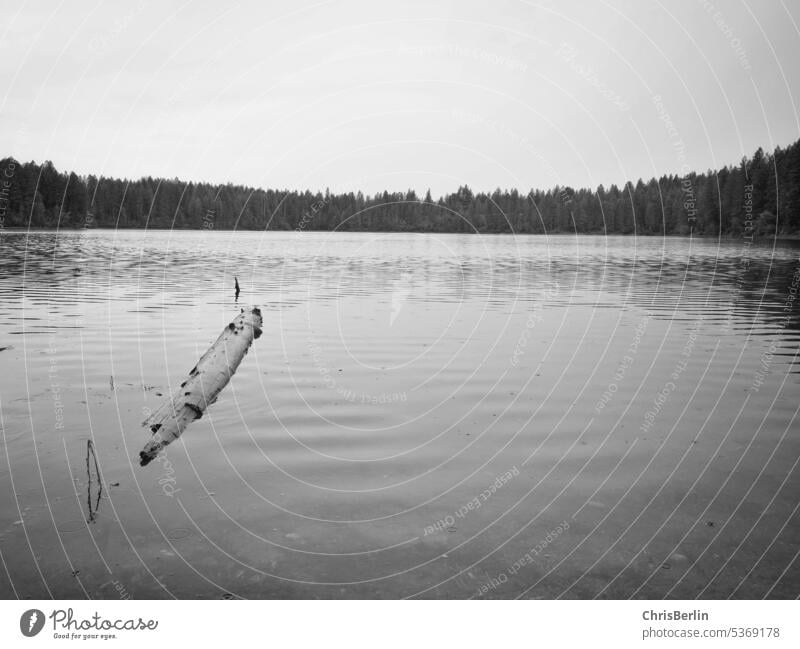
[759, 194]
[726, 237]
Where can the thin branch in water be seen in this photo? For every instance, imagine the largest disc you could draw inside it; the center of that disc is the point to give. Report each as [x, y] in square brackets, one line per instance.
[91, 458]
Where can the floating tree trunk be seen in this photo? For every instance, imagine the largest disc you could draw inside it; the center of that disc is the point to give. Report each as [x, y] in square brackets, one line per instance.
[204, 383]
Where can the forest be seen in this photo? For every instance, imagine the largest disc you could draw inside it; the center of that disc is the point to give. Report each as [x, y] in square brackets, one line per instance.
[760, 195]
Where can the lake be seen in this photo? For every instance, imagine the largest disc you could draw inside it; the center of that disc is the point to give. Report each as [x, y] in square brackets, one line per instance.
[430, 416]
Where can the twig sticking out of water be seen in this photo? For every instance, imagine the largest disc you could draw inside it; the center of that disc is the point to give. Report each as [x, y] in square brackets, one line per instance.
[90, 455]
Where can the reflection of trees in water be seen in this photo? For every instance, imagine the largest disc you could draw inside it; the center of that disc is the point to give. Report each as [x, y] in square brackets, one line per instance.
[768, 293]
[94, 488]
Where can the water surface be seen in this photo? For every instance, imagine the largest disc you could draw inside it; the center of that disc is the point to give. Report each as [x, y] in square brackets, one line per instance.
[457, 416]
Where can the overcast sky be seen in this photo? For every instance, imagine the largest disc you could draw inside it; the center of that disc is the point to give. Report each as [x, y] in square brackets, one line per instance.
[371, 95]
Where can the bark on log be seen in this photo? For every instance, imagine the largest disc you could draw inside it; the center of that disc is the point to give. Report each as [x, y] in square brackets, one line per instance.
[204, 383]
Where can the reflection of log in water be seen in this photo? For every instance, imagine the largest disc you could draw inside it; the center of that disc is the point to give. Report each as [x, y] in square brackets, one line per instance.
[204, 383]
[92, 469]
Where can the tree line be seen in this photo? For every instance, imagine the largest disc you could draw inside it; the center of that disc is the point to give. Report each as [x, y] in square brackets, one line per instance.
[761, 195]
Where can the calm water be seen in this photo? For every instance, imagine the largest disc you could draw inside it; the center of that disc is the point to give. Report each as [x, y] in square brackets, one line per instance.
[424, 416]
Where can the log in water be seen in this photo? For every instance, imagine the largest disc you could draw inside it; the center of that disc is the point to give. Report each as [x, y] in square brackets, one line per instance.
[204, 383]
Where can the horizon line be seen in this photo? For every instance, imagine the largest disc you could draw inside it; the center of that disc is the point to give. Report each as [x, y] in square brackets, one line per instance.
[619, 186]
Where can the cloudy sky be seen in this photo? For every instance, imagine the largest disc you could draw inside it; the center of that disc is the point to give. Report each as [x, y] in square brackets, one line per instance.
[371, 95]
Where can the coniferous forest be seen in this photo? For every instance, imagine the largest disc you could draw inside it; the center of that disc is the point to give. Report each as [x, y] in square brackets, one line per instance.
[760, 195]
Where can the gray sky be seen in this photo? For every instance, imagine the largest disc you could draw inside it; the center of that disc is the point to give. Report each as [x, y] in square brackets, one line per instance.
[375, 95]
